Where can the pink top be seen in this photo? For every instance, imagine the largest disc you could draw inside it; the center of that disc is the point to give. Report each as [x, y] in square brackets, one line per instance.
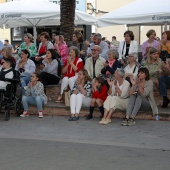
[63, 51]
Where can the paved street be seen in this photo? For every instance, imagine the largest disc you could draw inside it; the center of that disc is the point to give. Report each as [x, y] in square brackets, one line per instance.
[53, 143]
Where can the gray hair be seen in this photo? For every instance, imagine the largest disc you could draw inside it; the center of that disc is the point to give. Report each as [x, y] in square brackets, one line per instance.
[99, 36]
[134, 54]
[8, 50]
[114, 52]
[121, 72]
[74, 48]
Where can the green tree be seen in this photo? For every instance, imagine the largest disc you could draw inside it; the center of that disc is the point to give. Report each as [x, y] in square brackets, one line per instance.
[67, 13]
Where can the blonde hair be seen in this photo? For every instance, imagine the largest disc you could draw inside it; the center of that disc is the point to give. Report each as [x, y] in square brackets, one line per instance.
[150, 52]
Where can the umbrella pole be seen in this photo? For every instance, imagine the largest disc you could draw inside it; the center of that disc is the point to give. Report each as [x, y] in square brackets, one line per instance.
[166, 25]
[35, 34]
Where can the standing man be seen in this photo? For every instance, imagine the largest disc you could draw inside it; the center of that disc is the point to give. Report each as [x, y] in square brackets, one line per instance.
[94, 64]
[97, 40]
[115, 42]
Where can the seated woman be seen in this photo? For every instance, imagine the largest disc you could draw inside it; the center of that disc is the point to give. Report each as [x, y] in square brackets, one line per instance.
[43, 47]
[26, 67]
[34, 95]
[150, 42]
[70, 70]
[141, 97]
[61, 47]
[99, 95]
[7, 53]
[80, 94]
[80, 44]
[50, 69]
[153, 64]
[118, 96]
[112, 64]
[29, 45]
[132, 68]
[6, 71]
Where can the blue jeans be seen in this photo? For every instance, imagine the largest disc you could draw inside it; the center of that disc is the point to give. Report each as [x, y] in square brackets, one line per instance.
[35, 101]
[24, 81]
[164, 81]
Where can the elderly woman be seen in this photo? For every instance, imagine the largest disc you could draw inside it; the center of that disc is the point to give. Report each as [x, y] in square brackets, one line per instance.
[112, 64]
[7, 53]
[132, 68]
[118, 96]
[43, 47]
[151, 42]
[26, 67]
[78, 42]
[70, 70]
[141, 97]
[153, 64]
[80, 94]
[128, 46]
[29, 45]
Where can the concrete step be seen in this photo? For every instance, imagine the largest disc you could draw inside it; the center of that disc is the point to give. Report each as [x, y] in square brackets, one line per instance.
[59, 109]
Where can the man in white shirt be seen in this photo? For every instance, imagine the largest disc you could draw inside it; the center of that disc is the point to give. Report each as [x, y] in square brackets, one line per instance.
[95, 63]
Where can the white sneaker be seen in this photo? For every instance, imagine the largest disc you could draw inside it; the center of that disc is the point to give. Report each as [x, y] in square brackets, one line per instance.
[40, 114]
[24, 114]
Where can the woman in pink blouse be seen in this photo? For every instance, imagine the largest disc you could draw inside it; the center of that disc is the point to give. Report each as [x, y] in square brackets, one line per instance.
[61, 47]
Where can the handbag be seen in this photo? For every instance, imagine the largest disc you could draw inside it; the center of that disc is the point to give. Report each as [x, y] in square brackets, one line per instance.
[67, 98]
[164, 55]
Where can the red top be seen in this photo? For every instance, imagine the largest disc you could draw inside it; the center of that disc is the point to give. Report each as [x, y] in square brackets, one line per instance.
[42, 50]
[100, 95]
[78, 62]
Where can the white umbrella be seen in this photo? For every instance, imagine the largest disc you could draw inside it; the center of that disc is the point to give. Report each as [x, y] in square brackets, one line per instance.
[37, 13]
[139, 12]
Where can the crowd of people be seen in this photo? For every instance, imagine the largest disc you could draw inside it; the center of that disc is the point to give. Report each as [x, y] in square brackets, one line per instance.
[99, 73]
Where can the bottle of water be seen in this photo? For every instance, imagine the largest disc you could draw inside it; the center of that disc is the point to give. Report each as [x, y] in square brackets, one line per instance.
[157, 117]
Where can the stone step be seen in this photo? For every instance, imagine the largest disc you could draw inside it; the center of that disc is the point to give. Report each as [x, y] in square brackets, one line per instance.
[59, 109]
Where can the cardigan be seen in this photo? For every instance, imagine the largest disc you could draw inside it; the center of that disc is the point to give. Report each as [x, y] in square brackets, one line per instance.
[148, 93]
[100, 95]
[132, 49]
[38, 91]
[112, 69]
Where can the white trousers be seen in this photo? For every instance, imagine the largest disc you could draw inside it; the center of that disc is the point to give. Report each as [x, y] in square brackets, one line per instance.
[76, 102]
[67, 81]
[115, 102]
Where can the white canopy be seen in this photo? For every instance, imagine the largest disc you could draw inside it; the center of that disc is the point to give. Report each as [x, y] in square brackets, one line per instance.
[139, 12]
[37, 13]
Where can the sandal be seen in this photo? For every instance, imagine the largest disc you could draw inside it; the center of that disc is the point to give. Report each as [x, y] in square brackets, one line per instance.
[60, 99]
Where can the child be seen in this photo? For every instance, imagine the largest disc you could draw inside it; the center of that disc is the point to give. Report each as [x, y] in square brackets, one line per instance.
[99, 95]
[34, 95]
[6, 72]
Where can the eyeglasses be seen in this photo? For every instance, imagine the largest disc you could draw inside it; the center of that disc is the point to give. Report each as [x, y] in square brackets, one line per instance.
[130, 56]
[94, 50]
